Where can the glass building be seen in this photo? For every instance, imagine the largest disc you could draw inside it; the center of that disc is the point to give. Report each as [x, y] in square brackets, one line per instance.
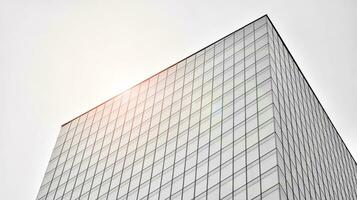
[236, 120]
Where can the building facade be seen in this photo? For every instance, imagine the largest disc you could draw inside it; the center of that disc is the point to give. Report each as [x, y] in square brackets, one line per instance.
[236, 120]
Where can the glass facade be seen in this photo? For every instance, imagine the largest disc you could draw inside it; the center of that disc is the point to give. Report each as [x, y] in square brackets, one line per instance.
[236, 120]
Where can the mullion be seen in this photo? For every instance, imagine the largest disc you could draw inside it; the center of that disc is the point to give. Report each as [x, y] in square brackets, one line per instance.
[257, 109]
[147, 140]
[188, 132]
[136, 146]
[81, 134]
[290, 121]
[296, 107]
[179, 121]
[279, 99]
[156, 137]
[198, 124]
[58, 159]
[64, 163]
[126, 107]
[209, 129]
[91, 154]
[166, 140]
[81, 160]
[99, 151]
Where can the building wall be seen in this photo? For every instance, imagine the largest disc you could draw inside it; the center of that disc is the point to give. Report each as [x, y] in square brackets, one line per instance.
[214, 125]
[314, 163]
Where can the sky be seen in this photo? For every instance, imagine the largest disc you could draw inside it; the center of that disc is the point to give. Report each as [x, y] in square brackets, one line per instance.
[59, 59]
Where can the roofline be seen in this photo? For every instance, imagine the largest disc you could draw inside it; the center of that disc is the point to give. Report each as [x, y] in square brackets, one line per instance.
[265, 15]
[166, 68]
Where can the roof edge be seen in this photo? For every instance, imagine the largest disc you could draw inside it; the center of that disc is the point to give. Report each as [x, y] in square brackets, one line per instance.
[265, 15]
[313, 92]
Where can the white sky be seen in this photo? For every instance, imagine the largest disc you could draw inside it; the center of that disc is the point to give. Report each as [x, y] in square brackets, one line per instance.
[58, 59]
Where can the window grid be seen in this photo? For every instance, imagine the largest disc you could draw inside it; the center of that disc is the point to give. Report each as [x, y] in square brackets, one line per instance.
[237, 120]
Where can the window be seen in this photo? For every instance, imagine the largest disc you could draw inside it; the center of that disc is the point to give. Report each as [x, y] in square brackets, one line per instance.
[264, 100]
[217, 104]
[268, 161]
[252, 154]
[216, 117]
[267, 144]
[202, 169]
[227, 124]
[228, 85]
[227, 111]
[271, 194]
[263, 75]
[265, 114]
[238, 79]
[253, 188]
[228, 41]
[239, 162]
[214, 161]
[251, 109]
[218, 58]
[269, 178]
[187, 192]
[167, 175]
[262, 38]
[262, 52]
[252, 170]
[249, 47]
[251, 123]
[239, 103]
[215, 146]
[251, 96]
[201, 185]
[213, 178]
[216, 131]
[227, 138]
[262, 63]
[239, 179]
[250, 71]
[218, 47]
[239, 132]
[226, 187]
[266, 129]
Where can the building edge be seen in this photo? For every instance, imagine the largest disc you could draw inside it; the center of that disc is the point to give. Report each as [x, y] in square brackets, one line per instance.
[265, 15]
[313, 92]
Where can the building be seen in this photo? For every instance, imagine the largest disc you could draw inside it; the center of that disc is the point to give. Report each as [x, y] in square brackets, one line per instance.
[236, 120]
